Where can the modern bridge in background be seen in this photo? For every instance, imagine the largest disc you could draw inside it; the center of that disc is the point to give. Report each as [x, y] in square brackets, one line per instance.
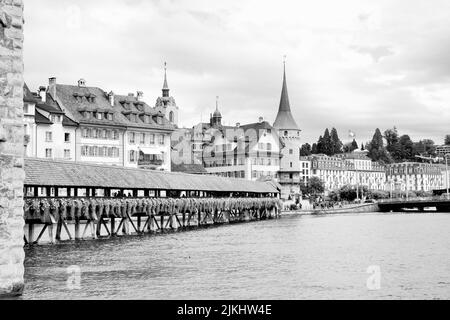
[420, 205]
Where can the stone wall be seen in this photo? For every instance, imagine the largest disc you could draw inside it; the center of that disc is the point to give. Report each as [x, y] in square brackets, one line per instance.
[11, 148]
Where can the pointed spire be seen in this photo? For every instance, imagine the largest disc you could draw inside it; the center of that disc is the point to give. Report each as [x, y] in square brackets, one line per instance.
[284, 119]
[165, 89]
[217, 103]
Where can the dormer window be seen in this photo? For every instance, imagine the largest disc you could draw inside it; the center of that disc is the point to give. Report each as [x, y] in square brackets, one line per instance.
[99, 116]
[82, 83]
[110, 116]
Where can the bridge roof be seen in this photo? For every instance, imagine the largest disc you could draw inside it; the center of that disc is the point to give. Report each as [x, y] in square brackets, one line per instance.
[42, 172]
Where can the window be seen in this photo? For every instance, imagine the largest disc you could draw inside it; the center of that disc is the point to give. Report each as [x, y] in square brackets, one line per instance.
[291, 164]
[142, 138]
[99, 116]
[85, 133]
[115, 135]
[48, 136]
[25, 108]
[95, 151]
[291, 151]
[66, 137]
[42, 192]
[286, 133]
[104, 152]
[84, 150]
[82, 192]
[66, 154]
[132, 156]
[171, 116]
[161, 139]
[110, 116]
[104, 134]
[48, 153]
[100, 193]
[62, 192]
[95, 133]
[152, 139]
[269, 147]
[29, 192]
[131, 137]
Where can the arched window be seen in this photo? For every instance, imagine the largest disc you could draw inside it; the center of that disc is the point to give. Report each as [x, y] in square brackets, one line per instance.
[171, 116]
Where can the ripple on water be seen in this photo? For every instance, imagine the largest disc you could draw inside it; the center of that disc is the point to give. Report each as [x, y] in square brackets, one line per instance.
[297, 257]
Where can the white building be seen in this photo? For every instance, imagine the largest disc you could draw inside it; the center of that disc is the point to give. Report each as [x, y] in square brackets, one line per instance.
[87, 124]
[415, 176]
[48, 132]
[348, 169]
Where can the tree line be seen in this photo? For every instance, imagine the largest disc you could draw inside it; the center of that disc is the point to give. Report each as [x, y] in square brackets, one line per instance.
[389, 147]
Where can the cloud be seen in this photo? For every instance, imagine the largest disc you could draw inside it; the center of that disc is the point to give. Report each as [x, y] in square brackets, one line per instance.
[352, 64]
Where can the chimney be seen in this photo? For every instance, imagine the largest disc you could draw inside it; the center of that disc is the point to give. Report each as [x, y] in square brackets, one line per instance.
[42, 93]
[139, 95]
[52, 87]
[238, 124]
[111, 98]
[261, 119]
[82, 83]
[131, 94]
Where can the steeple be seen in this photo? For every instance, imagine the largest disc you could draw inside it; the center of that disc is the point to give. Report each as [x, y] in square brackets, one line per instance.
[165, 89]
[217, 116]
[285, 120]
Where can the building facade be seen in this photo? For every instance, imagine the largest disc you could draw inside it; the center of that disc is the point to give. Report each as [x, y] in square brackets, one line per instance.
[287, 129]
[87, 124]
[441, 151]
[415, 176]
[348, 169]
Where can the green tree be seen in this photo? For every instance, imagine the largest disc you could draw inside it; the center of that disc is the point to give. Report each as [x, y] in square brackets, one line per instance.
[305, 150]
[425, 147]
[447, 139]
[406, 148]
[314, 187]
[336, 143]
[314, 149]
[377, 151]
[393, 144]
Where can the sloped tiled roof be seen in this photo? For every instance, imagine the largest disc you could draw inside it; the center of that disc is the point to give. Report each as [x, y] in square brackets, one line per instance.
[28, 96]
[40, 119]
[189, 168]
[285, 120]
[49, 108]
[67, 95]
[41, 172]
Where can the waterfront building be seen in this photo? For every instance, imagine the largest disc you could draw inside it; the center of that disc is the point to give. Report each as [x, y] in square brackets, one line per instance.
[441, 151]
[415, 176]
[250, 151]
[100, 127]
[347, 169]
[48, 132]
[287, 129]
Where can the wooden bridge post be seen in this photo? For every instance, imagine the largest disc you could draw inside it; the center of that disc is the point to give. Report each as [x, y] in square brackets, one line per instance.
[113, 226]
[30, 233]
[77, 229]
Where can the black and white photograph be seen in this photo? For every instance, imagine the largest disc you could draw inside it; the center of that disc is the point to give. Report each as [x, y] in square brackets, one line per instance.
[224, 150]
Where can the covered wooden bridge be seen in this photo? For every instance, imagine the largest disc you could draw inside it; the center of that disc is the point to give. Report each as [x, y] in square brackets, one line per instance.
[107, 200]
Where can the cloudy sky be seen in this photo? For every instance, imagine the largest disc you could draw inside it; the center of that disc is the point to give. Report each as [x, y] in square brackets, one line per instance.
[351, 64]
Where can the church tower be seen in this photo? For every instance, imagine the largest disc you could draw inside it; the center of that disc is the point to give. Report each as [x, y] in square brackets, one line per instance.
[166, 104]
[289, 133]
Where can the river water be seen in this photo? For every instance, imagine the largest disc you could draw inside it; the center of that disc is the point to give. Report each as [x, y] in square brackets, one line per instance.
[295, 257]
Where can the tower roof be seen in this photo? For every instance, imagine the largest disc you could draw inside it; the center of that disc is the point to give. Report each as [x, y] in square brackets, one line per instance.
[165, 85]
[217, 113]
[284, 119]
